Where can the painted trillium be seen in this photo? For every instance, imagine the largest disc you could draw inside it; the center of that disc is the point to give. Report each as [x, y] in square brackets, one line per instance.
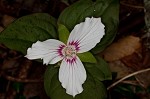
[82, 38]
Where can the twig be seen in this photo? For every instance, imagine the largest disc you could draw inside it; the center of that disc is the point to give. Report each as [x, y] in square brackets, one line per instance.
[128, 76]
[20, 77]
[130, 82]
[132, 6]
[10, 78]
[140, 83]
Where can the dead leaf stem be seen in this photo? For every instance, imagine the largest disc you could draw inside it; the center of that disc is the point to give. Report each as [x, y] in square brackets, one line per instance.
[132, 6]
[128, 76]
[14, 79]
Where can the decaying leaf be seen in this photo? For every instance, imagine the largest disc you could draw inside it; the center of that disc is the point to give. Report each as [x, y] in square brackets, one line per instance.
[1, 29]
[143, 79]
[137, 62]
[134, 61]
[122, 48]
[121, 69]
[6, 20]
[10, 63]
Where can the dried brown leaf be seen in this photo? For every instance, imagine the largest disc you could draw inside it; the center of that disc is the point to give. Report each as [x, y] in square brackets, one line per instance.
[133, 61]
[10, 63]
[1, 29]
[122, 48]
[6, 20]
[119, 68]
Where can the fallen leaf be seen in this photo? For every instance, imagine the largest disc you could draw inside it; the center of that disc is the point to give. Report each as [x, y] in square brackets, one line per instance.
[6, 20]
[121, 69]
[143, 79]
[10, 63]
[133, 61]
[1, 29]
[124, 47]
[137, 62]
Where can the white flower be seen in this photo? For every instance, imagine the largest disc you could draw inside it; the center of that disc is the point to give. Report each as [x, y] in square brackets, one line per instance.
[82, 38]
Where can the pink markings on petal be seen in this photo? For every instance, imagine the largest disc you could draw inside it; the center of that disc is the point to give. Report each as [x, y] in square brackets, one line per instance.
[75, 44]
[71, 60]
[60, 50]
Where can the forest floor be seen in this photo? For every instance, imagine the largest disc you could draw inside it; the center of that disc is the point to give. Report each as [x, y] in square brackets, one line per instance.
[127, 56]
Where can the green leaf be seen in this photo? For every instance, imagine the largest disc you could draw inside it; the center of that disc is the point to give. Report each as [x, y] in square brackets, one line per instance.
[77, 12]
[110, 18]
[108, 10]
[17, 86]
[148, 89]
[26, 30]
[63, 33]
[99, 70]
[87, 57]
[125, 90]
[92, 89]
[19, 96]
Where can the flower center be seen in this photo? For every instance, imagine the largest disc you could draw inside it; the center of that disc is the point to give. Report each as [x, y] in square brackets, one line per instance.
[69, 51]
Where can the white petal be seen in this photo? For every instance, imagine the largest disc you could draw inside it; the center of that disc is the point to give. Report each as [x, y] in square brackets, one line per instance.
[87, 34]
[72, 76]
[46, 50]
